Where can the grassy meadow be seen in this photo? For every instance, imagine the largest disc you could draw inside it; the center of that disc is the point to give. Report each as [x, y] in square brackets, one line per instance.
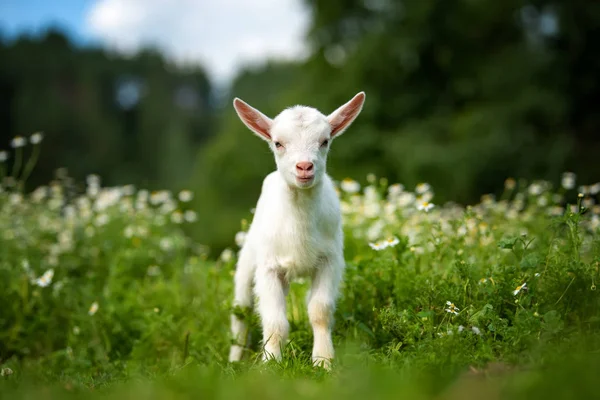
[102, 293]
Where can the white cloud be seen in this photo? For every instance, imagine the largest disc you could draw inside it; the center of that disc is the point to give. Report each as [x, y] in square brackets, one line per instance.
[222, 35]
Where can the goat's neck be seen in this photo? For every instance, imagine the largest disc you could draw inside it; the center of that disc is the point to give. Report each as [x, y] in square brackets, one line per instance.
[304, 196]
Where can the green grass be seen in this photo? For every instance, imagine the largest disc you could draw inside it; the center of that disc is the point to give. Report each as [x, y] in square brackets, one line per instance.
[133, 308]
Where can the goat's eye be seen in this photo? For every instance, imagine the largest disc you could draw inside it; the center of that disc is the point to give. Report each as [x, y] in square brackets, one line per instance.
[325, 143]
[278, 145]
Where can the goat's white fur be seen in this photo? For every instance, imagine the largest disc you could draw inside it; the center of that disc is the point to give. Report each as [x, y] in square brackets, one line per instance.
[296, 229]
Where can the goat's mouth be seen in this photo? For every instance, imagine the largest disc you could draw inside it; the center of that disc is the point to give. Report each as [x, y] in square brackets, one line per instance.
[305, 179]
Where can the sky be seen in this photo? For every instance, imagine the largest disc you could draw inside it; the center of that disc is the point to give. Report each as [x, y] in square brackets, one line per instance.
[221, 35]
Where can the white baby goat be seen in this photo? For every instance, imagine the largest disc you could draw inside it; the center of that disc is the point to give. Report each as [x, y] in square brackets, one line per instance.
[297, 228]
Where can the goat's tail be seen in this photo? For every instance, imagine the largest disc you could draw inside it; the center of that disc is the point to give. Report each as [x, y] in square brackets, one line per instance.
[244, 276]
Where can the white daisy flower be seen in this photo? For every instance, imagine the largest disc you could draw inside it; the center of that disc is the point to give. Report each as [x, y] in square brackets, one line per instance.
[186, 195]
[425, 206]
[523, 287]
[36, 138]
[423, 188]
[166, 244]
[177, 217]
[3, 156]
[18, 141]
[46, 279]
[190, 216]
[93, 308]
[378, 246]
[391, 242]
[240, 238]
[395, 189]
[227, 255]
[350, 186]
[535, 189]
[568, 180]
[476, 330]
[452, 309]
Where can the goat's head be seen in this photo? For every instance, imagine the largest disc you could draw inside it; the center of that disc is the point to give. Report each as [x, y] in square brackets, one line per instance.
[300, 137]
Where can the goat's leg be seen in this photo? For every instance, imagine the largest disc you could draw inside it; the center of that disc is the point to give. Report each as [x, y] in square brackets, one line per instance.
[244, 276]
[271, 289]
[321, 305]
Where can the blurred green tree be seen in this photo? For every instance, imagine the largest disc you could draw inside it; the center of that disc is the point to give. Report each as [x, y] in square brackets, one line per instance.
[459, 94]
[132, 119]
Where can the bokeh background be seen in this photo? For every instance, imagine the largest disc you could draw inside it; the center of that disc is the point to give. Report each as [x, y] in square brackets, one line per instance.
[460, 94]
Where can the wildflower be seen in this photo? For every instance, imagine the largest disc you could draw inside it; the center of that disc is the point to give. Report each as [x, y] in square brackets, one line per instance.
[556, 211]
[535, 189]
[374, 230]
[177, 217]
[427, 196]
[391, 242]
[588, 202]
[568, 180]
[452, 309]
[101, 220]
[461, 328]
[186, 195]
[153, 270]
[129, 232]
[76, 330]
[595, 222]
[584, 189]
[510, 183]
[18, 141]
[422, 188]
[142, 231]
[93, 180]
[425, 206]
[159, 197]
[3, 156]
[520, 288]
[483, 280]
[227, 255]
[405, 198]
[240, 238]
[378, 246]
[487, 199]
[595, 189]
[580, 195]
[190, 216]
[371, 178]
[395, 189]
[350, 186]
[46, 279]
[536, 274]
[166, 244]
[93, 308]
[476, 330]
[15, 198]
[416, 250]
[6, 372]
[36, 138]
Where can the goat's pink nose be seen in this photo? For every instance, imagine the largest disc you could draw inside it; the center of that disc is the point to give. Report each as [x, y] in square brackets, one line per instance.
[304, 166]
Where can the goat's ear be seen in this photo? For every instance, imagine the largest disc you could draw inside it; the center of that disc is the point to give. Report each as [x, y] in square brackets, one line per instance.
[341, 118]
[253, 119]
